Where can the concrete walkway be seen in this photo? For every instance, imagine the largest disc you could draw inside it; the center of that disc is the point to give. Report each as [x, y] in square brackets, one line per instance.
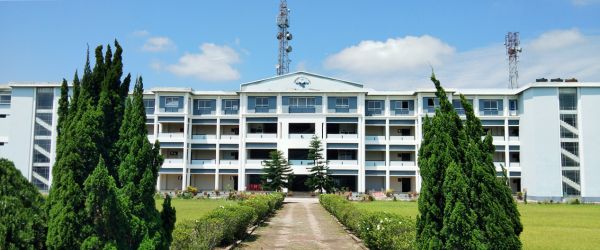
[302, 223]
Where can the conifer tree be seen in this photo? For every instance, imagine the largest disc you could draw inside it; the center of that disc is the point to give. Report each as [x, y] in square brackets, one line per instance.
[22, 218]
[63, 105]
[168, 218]
[319, 178]
[76, 90]
[278, 173]
[105, 210]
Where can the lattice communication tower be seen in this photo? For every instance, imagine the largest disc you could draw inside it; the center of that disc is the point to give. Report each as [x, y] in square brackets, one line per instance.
[513, 49]
[284, 37]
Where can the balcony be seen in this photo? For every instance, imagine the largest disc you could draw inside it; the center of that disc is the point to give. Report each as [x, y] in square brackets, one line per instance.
[499, 164]
[374, 111]
[177, 135]
[203, 162]
[204, 137]
[402, 138]
[374, 138]
[173, 161]
[258, 162]
[342, 136]
[224, 162]
[300, 136]
[402, 163]
[302, 109]
[399, 112]
[374, 163]
[490, 112]
[230, 137]
[300, 162]
[343, 162]
[515, 165]
[261, 136]
[498, 137]
[513, 138]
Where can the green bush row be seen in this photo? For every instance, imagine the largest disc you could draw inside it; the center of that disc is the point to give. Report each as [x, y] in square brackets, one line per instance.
[225, 224]
[378, 230]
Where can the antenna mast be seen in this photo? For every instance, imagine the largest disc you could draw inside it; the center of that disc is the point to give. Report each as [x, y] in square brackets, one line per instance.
[512, 50]
[284, 36]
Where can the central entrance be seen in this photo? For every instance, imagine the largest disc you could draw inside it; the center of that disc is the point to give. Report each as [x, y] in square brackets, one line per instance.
[298, 183]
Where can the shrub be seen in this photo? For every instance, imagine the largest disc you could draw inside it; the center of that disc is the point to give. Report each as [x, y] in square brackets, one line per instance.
[574, 201]
[377, 230]
[225, 224]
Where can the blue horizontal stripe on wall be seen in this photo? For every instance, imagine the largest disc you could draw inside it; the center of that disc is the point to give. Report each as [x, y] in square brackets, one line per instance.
[256, 145]
[513, 122]
[149, 120]
[227, 146]
[514, 148]
[515, 174]
[228, 171]
[342, 145]
[375, 122]
[402, 122]
[402, 147]
[202, 171]
[342, 119]
[500, 148]
[204, 121]
[492, 122]
[171, 144]
[261, 119]
[170, 170]
[343, 172]
[254, 171]
[499, 174]
[230, 121]
[402, 173]
[375, 172]
[171, 119]
[203, 146]
[375, 147]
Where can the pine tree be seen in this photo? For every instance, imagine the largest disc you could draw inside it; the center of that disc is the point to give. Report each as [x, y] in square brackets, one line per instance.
[22, 218]
[319, 178]
[278, 173]
[105, 210]
[63, 106]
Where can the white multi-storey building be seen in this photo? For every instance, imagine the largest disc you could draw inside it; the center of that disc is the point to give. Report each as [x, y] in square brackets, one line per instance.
[217, 140]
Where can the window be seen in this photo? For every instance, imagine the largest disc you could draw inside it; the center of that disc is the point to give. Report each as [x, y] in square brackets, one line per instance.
[570, 119]
[46, 117]
[149, 105]
[342, 102]
[231, 104]
[4, 98]
[44, 98]
[262, 102]
[404, 156]
[513, 105]
[39, 157]
[430, 102]
[302, 102]
[402, 105]
[40, 130]
[173, 153]
[346, 155]
[171, 101]
[571, 147]
[491, 105]
[204, 104]
[3, 116]
[567, 98]
[45, 144]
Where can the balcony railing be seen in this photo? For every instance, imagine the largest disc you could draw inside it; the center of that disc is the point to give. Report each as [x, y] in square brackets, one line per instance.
[498, 137]
[261, 135]
[513, 138]
[490, 112]
[230, 111]
[499, 164]
[402, 163]
[343, 162]
[203, 162]
[515, 164]
[171, 135]
[223, 162]
[301, 136]
[255, 162]
[373, 112]
[300, 109]
[374, 163]
[402, 112]
[375, 138]
[173, 161]
[230, 137]
[300, 162]
[402, 138]
[342, 136]
[204, 137]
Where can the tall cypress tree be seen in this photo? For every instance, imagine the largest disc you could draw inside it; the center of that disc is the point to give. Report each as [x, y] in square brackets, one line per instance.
[138, 172]
[63, 106]
[278, 173]
[319, 178]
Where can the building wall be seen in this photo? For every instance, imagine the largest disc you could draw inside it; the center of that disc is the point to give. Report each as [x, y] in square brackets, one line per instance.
[540, 146]
[590, 143]
[20, 136]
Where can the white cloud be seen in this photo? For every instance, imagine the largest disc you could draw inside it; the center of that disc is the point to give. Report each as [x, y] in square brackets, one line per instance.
[140, 33]
[558, 53]
[377, 57]
[213, 63]
[158, 44]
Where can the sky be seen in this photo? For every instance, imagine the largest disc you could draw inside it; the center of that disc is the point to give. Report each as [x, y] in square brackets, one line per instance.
[385, 45]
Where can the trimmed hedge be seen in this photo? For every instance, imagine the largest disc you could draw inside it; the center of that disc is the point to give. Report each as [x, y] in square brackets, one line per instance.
[225, 224]
[378, 230]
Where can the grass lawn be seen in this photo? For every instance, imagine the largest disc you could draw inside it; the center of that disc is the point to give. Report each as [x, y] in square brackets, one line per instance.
[546, 226]
[193, 208]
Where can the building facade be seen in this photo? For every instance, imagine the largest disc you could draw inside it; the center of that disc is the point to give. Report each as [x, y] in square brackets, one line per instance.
[216, 140]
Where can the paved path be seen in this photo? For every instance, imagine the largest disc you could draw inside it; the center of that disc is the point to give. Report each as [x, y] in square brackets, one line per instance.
[302, 223]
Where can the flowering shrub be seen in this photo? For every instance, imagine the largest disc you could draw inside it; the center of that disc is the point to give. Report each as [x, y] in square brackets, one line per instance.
[225, 224]
[377, 230]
